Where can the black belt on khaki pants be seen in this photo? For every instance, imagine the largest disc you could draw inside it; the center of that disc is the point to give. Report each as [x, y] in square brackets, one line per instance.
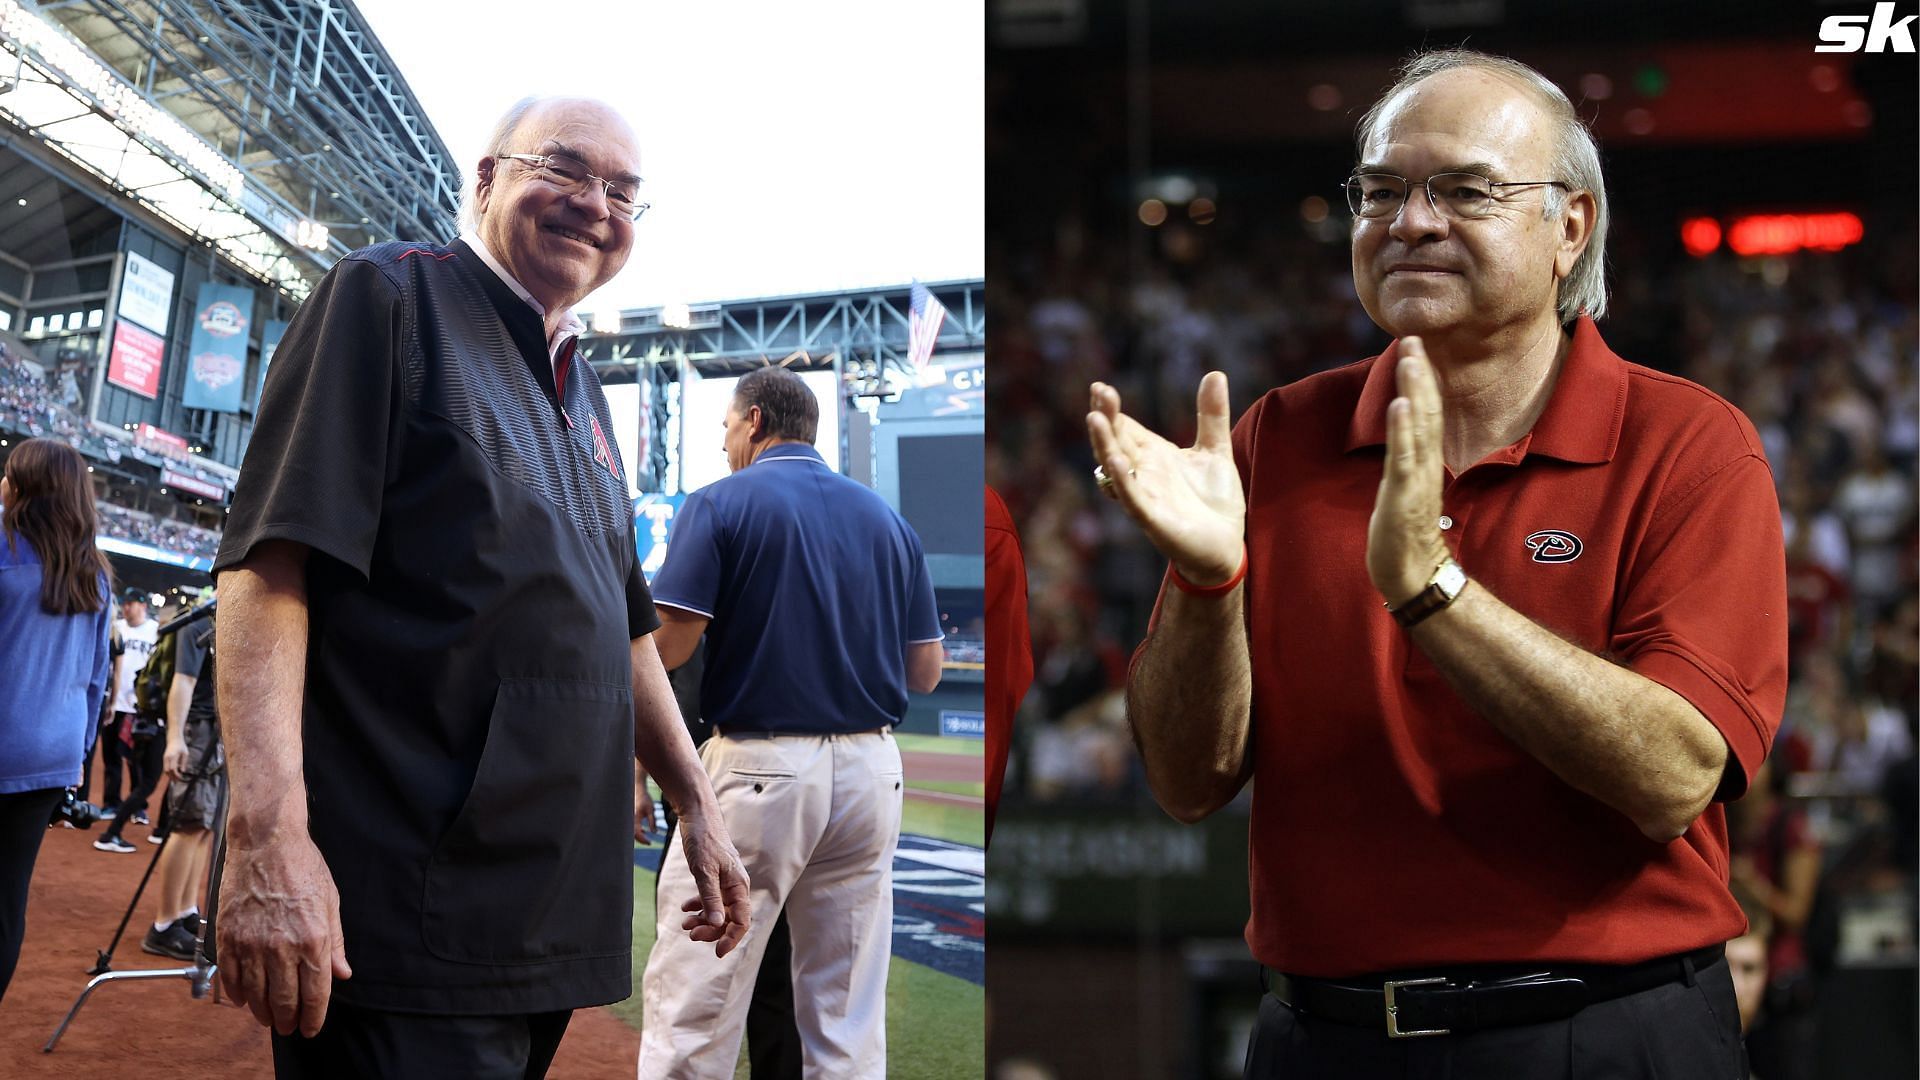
[1442, 1005]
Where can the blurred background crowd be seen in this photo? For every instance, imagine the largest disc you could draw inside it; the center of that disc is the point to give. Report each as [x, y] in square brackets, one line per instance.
[1180, 213]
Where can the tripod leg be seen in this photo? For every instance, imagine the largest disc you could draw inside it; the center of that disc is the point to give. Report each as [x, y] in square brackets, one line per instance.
[105, 962]
[205, 949]
[98, 980]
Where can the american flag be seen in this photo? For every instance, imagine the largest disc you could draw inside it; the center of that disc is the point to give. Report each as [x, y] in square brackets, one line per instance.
[924, 316]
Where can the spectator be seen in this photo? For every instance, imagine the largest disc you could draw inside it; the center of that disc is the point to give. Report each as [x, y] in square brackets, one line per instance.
[54, 612]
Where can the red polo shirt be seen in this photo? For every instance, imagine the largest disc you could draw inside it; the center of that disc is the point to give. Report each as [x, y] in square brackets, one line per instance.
[1392, 826]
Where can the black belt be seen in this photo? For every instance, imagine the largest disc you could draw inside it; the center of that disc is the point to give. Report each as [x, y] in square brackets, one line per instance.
[1441, 1005]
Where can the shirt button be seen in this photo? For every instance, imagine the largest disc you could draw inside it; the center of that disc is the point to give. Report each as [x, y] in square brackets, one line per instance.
[1445, 523]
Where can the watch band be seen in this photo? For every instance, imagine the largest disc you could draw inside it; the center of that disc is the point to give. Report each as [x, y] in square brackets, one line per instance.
[1435, 597]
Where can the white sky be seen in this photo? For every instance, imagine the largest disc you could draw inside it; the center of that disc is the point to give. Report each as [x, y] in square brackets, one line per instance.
[788, 147]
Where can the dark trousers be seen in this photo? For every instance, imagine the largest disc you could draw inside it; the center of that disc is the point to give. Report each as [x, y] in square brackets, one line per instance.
[112, 752]
[23, 824]
[372, 1044]
[147, 764]
[1688, 1028]
[773, 1035]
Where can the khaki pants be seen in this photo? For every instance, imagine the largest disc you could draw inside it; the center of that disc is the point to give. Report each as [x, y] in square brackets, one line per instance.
[816, 819]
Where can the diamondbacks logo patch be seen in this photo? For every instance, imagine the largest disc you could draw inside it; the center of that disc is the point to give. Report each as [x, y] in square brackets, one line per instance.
[603, 451]
[1553, 545]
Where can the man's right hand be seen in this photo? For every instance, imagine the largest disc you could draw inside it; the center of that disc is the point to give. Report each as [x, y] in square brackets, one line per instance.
[280, 944]
[174, 762]
[1189, 502]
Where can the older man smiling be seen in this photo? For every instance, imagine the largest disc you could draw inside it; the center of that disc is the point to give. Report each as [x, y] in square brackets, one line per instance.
[437, 662]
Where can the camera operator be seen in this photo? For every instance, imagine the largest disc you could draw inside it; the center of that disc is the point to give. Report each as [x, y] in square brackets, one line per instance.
[54, 612]
[195, 766]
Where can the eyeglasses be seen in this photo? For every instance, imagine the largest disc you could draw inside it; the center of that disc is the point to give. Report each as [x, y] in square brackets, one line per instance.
[572, 177]
[1460, 196]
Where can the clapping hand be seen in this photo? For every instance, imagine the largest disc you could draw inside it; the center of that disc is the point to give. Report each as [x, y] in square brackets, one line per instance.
[1189, 501]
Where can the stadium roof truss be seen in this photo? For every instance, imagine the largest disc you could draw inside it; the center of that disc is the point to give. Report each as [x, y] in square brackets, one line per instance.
[277, 130]
[865, 328]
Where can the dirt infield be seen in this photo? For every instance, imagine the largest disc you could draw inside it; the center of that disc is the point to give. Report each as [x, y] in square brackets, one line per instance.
[155, 1030]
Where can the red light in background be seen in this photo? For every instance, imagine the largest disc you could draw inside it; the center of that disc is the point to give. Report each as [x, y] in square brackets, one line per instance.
[1701, 236]
[1778, 234]
[1772, 234]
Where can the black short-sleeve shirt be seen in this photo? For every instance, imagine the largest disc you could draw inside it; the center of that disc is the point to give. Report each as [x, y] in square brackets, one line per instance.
[193, 657]
[472, 592]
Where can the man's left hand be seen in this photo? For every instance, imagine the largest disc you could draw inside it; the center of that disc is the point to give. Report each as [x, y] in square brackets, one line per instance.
[1404, 545]
[723, 912]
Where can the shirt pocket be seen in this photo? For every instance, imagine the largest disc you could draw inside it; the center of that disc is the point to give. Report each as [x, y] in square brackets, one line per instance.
[537, 865]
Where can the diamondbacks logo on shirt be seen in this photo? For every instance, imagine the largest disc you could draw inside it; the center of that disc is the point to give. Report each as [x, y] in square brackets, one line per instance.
[603, 450]
[1552, 545]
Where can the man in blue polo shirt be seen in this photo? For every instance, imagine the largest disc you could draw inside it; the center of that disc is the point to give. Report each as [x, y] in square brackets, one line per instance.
[819, 616]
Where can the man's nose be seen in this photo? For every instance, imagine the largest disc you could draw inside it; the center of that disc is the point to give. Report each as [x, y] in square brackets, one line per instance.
[592, 199]
[1417, 219]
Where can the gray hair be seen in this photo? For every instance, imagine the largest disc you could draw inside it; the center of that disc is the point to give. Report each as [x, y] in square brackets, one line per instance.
[496, 141]
[1576, 161]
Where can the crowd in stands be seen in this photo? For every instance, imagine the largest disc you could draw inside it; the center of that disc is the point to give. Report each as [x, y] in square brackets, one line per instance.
[29, 406]
[166, 534]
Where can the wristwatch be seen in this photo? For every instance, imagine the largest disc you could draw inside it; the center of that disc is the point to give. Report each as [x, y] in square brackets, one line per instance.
[1442, 588]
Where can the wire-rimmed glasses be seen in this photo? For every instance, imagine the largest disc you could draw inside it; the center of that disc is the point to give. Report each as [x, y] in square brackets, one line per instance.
[571, 176]
[1461, 196]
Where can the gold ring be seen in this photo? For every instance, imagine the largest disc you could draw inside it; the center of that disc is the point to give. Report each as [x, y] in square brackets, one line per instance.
[1101, 478]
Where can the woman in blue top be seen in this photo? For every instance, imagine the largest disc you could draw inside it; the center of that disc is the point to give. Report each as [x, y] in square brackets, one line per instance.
[54, 617]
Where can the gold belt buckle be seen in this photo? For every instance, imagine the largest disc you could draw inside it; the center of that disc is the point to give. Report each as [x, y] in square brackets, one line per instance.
[1393, 1010]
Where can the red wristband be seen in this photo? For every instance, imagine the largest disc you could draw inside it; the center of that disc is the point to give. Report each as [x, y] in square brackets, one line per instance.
[1211, 591]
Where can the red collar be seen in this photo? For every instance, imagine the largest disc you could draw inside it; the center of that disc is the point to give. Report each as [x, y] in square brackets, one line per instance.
[1581, 422]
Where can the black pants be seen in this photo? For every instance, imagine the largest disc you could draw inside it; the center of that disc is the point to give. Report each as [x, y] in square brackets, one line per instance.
[773, 1035]
[368, 1044]
[112, 752]
[1686, 1029]
[147, 764]
[23, 824]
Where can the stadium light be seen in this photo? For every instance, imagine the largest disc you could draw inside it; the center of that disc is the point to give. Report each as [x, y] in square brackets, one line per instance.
[606, 322]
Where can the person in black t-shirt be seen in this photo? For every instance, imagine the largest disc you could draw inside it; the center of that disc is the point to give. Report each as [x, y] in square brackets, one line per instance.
[438, 663]
[196, 778]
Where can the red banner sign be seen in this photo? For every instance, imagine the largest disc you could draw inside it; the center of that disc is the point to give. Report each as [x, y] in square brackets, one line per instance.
[135, 360]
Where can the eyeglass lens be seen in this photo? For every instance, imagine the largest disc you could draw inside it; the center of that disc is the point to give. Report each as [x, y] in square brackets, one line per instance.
[622, 195]
[1461, 195]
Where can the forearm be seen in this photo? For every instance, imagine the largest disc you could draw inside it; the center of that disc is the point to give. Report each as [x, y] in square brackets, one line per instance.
[1190, 703]
[179, 700]
[660, 740]
[262, 643]
[1616, 735]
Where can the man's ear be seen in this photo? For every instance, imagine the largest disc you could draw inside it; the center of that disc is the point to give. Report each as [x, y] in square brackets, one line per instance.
[484, 188]
[756, 423]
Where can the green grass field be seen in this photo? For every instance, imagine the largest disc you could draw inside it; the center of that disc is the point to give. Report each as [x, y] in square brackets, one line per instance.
[935, 744]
